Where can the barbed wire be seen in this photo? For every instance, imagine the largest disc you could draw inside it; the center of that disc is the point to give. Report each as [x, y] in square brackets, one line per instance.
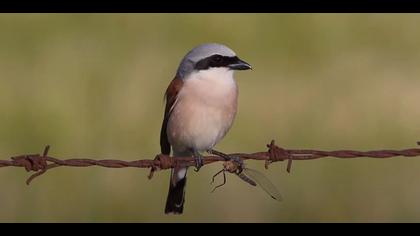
[41, 163]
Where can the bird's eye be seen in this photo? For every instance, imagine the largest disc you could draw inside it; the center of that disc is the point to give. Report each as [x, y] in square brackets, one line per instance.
[217, 58]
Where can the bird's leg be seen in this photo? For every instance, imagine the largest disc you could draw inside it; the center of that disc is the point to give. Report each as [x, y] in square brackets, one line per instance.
[198, 160]
[220, 154]
[226, 156]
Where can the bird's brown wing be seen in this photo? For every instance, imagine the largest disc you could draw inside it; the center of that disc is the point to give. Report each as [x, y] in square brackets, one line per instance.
[170, 96]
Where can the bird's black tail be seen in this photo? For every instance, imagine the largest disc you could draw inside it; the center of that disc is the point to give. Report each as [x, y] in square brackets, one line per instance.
[176, 196]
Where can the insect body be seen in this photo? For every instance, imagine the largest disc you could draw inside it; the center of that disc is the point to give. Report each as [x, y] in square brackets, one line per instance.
[251, 176]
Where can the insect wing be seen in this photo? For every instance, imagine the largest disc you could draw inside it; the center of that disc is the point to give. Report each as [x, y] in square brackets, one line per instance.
[247, 179]
[264, 183]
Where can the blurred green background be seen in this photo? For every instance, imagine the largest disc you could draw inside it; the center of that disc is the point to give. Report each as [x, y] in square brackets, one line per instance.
[91, 85]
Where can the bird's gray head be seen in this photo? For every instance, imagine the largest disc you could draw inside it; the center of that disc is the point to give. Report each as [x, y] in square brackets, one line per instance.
[208, 56]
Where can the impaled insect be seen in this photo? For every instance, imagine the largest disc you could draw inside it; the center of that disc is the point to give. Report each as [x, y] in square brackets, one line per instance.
[251, 176]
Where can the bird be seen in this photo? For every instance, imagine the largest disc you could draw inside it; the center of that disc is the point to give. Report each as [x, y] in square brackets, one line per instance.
[201, 105]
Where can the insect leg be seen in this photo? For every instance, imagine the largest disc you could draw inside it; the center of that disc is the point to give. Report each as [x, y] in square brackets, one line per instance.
[224, 181]
[214, 176]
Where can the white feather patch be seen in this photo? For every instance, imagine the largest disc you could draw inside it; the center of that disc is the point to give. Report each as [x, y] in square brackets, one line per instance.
[181, 173]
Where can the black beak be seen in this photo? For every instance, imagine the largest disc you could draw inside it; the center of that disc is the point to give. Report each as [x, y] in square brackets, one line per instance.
[238, 64]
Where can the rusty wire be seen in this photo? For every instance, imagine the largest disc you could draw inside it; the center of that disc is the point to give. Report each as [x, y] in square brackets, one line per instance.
[41, 163]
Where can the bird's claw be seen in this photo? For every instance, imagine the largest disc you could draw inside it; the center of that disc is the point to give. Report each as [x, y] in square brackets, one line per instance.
[198, 162]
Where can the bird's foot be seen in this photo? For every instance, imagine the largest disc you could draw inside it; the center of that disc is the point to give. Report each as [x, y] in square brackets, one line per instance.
[225, 156]
[199, 161]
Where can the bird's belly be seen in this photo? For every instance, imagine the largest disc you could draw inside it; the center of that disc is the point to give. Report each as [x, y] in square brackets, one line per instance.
[198, 125]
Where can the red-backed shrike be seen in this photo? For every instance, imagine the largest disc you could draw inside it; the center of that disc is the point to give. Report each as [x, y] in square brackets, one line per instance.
[201, 103]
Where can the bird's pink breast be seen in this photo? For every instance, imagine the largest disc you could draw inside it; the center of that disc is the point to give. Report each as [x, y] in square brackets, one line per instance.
[203, 113]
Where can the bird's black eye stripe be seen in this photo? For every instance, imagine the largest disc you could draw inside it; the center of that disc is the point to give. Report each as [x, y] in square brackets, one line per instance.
[215, 61]
[217, 58]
